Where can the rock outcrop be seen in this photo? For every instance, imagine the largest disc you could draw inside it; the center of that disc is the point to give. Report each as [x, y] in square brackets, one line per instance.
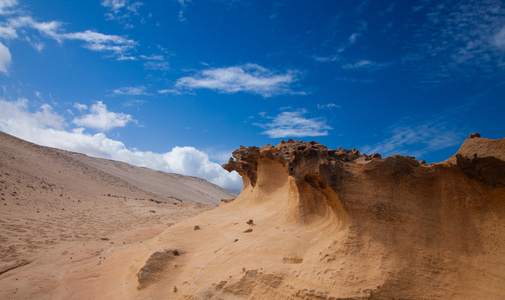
[427, 224]
[332, 224]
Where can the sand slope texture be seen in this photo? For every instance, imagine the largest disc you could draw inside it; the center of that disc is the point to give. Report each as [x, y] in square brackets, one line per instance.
[58, 209]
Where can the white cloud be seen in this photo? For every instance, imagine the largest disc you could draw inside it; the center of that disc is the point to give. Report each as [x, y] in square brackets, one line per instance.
[293, 124]
[46, 128]
[92, 37]
[458, 38]
[96, 41]
[250, 78]
[169, 91]
[12, 115]
[499, 39]
[156, 65]
[46, 28]
[48, 118]
[5, 58]
[417, 139]
[93, 40]
[115, 5]
[358, 65]
[8, 33]
[183, 4]
[102, 119]
[153, 57]
[6, 6]
[351, 40]
[326, 58]
[121, 10]
[155, 62]
[364, 65]
[80, 106]
[328, 106]
[35, 43]
[131, 90]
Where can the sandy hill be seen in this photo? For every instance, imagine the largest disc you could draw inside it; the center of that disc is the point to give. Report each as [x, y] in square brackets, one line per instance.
[169, 185]
[316, 223]
[63, 166]
[58, 207]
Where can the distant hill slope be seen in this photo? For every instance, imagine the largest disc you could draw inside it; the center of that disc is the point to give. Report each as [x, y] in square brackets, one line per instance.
[58, 208]
[45, 161]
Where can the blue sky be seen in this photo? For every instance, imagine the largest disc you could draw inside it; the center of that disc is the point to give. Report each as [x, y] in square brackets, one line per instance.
[177, 85]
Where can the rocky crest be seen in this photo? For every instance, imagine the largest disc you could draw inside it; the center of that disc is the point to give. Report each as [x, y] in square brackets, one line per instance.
[426, 230]
[301, 158]
[305, 158]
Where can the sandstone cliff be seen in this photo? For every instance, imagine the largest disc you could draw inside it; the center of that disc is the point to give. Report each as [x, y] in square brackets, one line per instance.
[316, 223]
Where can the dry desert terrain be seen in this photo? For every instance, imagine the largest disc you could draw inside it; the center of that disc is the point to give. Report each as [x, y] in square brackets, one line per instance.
[310, 223]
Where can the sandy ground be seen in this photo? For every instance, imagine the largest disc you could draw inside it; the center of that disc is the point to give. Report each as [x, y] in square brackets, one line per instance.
[58, 209]
[388, 228]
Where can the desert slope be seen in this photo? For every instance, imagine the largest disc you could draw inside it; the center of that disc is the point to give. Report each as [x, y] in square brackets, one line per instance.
[316, 223]
[58, 208]
[171, 185]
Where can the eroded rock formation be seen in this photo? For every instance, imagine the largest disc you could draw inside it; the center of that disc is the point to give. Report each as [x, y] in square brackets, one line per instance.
[432, 228]
[316, 223]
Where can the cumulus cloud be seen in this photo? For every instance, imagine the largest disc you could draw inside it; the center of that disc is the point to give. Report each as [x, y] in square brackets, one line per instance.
[250, 78]
[294, 124]
[13, 116]
[8, 33]
[80, 106]
[114, 5]
[5, 58]
[102, 119]
[47, 128]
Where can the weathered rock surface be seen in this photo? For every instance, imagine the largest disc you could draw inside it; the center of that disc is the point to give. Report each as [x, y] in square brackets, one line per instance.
[333, 224]
[430, 223]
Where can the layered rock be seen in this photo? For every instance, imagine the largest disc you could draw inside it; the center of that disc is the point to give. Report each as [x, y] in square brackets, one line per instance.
[427, 224]
[316, 223]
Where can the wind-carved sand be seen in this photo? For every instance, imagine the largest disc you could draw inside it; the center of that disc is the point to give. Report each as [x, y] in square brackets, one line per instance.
[60, 209]
[316, 223]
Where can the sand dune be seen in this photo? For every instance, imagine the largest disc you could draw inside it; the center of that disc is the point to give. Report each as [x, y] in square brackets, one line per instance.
[58, 208]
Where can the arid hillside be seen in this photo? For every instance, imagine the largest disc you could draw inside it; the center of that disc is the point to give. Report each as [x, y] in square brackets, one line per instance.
[316, 223]
[58, 208]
